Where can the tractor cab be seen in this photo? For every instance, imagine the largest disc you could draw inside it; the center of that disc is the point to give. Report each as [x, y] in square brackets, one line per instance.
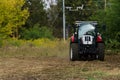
[84, 30]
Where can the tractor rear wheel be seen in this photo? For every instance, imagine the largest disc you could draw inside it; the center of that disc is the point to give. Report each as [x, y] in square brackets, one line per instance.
[101, 51]
[73, 53]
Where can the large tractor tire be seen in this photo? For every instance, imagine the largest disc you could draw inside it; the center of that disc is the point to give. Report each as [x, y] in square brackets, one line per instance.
[73, 53]
[101, 51]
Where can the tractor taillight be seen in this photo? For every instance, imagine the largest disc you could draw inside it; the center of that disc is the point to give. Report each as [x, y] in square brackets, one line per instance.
[72, 39]
[99, 39]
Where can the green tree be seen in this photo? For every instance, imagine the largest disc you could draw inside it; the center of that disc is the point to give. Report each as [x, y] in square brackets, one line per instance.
[89, 9]
[55, 18]
[38, 14]
[12, 16]
[113, 18]
[36, 22]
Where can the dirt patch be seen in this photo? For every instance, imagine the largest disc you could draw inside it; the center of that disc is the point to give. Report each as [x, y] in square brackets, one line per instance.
[58, 68]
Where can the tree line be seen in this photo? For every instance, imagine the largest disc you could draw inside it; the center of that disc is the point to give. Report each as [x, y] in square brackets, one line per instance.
[28, 19]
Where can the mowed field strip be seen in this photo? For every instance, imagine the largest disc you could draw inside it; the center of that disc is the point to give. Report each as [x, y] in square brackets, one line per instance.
[59, 68]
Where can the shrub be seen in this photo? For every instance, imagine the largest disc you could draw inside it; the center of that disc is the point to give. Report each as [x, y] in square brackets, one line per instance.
[113, 44]
[1, 42]
[36, 32]
[118, 36]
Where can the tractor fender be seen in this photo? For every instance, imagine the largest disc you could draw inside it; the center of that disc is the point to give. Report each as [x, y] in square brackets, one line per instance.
[72, 38]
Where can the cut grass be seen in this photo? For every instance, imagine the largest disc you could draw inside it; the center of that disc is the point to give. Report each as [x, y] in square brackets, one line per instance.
[57, 68]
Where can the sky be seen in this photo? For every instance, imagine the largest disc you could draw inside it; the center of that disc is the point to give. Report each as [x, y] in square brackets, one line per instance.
[48, 2]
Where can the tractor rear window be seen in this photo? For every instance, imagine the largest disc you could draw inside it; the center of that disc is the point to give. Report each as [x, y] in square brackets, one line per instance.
[86, 29]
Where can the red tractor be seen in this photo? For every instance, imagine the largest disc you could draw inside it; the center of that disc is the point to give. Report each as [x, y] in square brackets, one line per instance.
[86, 42]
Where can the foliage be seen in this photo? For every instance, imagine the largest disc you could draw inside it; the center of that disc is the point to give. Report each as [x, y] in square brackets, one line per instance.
[36, 22]
[1, 42]
[12, 16]
[55, 18]
[113, 18]
[113, 44]
[36, 32]
[55, 12]
[38, 14]
[90, 7]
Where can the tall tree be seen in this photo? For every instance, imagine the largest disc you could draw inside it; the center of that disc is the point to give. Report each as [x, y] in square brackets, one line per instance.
[55, 18]
[38, 14]
[12, 16]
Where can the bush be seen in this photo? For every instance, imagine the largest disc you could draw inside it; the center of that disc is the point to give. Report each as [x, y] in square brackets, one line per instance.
[118, 36]
[36, 32]
[113, 44]
[1, 42]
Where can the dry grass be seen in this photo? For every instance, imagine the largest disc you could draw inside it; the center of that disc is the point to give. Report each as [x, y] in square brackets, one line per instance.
[57, 68]
[44, 48]
[31, 61]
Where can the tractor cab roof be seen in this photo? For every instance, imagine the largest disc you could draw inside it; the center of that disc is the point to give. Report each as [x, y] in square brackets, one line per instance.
[79, 23]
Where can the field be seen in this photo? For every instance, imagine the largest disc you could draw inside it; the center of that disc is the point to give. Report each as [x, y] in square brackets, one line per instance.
[51, 62]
